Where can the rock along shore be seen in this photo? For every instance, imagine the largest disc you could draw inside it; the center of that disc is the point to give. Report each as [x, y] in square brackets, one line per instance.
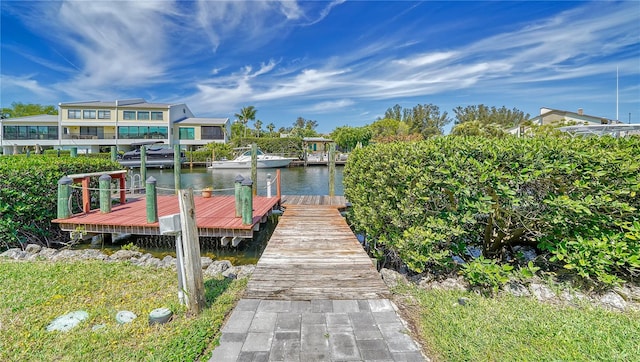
[33, 252]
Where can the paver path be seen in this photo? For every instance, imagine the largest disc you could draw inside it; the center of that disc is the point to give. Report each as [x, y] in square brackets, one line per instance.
[315, 296]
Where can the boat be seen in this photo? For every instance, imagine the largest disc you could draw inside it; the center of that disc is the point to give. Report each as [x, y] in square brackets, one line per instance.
[158, 155]
[243, 160]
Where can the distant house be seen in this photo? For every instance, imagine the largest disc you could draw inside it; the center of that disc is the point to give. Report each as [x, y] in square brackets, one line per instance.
[92, 125]
[558, 117]
[316, 144]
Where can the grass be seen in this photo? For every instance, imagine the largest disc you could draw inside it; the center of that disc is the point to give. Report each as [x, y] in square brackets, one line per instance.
[507, 328]
[35, 293]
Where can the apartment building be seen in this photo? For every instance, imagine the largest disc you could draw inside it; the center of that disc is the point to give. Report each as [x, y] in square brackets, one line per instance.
[95, 125]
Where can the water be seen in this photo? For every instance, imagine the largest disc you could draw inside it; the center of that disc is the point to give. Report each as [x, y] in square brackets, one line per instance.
[295, 180]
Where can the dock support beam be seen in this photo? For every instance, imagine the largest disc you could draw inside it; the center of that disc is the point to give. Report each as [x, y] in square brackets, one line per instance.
[105, 193]
[332, 169]
[64, 190]
[152, 200]
[247, 202]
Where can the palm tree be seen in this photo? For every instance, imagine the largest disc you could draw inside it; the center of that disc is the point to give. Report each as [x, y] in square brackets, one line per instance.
[271, 127]
[246, 114]
[258, 126]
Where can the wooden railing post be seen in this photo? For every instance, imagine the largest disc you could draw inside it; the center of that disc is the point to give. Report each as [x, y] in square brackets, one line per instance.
[193, 280]
[238, 194]
[152, 200]
[105, 193]
[64, 190]
[278, 184]
[247, 202]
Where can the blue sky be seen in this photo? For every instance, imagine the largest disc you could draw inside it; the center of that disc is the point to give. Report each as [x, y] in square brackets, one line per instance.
[339, 63]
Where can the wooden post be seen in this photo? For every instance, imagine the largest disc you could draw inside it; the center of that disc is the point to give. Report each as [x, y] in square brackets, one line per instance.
[176, 166]
[114, 153]
[143, 163]
[74, 152]
[238, 194]
[332, 169]
[152, 200]
[105, 193]
[247, 202]
[194, 283]
[86, 194]
[278, 184]
[254, 167]
[64, 190]
[269, 185]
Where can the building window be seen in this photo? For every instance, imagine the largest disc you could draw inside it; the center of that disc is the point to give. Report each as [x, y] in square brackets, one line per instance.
[30, 132]
[73, 114]
[129, 115]
[187, 133]
[89, 114]
[212, 133]
[156, 116]
[143, 116]
[10, 132]
[131, 132]
[88, 131]
[104, 114]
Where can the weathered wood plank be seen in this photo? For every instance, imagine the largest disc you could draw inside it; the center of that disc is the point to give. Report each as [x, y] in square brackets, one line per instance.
[313, 254]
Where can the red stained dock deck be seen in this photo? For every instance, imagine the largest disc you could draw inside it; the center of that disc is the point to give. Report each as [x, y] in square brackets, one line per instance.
[215, 216]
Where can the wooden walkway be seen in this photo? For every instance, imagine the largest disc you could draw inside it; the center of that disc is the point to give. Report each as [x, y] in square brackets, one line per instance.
[215, 217]
[338, 201]
[313, 254]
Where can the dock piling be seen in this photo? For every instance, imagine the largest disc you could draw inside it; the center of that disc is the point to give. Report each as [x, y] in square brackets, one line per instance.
[254, 167]
[193, 280]
[238, 194]
[143, 162]
[105, 193]
[247, 202]
[152, 200]
[332, 169]
[114, 153]
[64, 190]
[176, 166]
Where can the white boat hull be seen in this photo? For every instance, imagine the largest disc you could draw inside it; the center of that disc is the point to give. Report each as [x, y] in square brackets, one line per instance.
[269, 163]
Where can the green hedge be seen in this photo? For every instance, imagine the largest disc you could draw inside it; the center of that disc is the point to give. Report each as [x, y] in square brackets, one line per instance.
[28, 194]
[575, 199]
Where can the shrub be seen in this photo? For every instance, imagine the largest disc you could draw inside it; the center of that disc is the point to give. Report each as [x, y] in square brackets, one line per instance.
[448, 193]
[28, 195]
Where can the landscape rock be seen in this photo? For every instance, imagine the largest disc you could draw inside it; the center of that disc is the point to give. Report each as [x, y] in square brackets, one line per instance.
[47, 253]
[473, 251]
[542, 292]
[528, 253]
[125, 255]
[630, 293]
[168, 261]
[14, 253]
[231, 272]
[450, 283]
[572, 296]
[392, 278]
[65, 254]
[217, 267]
[90, 254]
[33, 248]
[516, 289]
[205, 261]
[613, 300]
[245, 271]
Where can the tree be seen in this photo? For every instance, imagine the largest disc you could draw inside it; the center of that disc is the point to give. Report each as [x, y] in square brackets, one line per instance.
[19, 109]
[304, 128]
[258, 126]
[475, 128]
[348, 137]
[426, 120]
[271, 127]
[246, 114]
[394, 112]
[502, 116]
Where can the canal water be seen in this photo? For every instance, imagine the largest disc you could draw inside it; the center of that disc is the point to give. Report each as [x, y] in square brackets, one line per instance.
[313, 180]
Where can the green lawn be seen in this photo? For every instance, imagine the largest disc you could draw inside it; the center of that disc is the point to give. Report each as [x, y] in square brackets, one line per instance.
[35, 293]
[508, 328]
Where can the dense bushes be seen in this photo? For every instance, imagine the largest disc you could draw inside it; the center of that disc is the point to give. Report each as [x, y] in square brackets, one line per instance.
[575, 199]
[28, 194]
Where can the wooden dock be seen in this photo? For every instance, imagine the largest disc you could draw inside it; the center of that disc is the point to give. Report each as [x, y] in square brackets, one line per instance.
[313, 254]
[215, 217]
[338, 201]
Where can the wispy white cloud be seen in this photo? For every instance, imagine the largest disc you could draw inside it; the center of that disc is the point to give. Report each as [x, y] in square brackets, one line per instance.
[13, 84]
[330, 106]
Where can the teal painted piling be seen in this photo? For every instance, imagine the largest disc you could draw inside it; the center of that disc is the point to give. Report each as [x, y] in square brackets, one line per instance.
[247, 202]
[152, 200]
[64, 191]
[143, 163]
[238, 194]
[176, 166]
[254, 167]
[332, 169]
[105, 193]
[74, 152]
[114, 153]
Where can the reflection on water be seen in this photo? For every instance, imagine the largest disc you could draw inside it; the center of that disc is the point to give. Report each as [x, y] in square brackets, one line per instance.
[295, 180]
